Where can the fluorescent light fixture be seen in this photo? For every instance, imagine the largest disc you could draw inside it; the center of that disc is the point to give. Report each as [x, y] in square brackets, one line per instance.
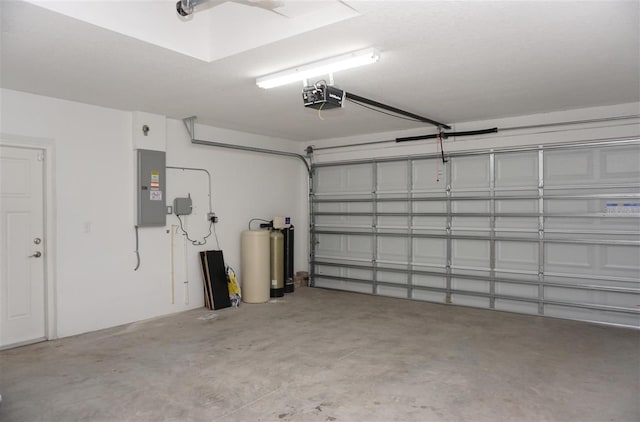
[319, 68]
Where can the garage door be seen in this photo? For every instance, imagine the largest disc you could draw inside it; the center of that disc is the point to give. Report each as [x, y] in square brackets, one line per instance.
[546, 231]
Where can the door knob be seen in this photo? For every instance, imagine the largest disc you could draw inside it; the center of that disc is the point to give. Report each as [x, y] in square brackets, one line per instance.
[36, 254]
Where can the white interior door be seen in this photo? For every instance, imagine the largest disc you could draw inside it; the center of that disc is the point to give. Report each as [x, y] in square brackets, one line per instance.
[22, 290]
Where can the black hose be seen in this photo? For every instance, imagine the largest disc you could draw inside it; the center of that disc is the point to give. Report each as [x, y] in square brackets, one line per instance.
[446, 135]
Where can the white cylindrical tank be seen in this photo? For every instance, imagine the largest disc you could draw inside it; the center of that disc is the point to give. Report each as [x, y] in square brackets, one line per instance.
[255, 266]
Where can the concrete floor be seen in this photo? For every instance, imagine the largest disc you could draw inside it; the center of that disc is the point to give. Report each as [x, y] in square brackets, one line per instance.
[320, 355]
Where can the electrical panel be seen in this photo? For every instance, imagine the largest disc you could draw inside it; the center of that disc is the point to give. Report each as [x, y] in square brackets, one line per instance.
[150, 189]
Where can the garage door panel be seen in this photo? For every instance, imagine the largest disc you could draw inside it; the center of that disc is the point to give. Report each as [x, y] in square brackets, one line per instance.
[478, 224]
[516, 205]
[357, 221]
[393, 277]
[470, 285]
[470, 206]
[516, 225]
[517, 275]
[562, 257]
[400, 206]
[359, 246]
[621, 259]
[473, 253]
[516, 169]
[358, 274]
[603, 260]
[392, 291]
[562, 294]
[628, 225]
[330, 220]
[392, 223]
[346, 179]
[620, 163]
[518, 290]
[330, 207]
[328, 180]
[564, 224]
[595, 280]
[358, 178]
[425, 176]
[517, 255]
[577, 206]
[428, 296]
[357, 207]
[489, 247]
[429, 281]
[392, 177]
[516, 306]
[470, 222]
[569, 168]
[430, 223]
[430, 251]
[470, 173]
[607, 225]
[474, 301]
[593, 165]
[471, 272]
[329, 270]
[343, 285]
[393, 249]
[344, 246]
[429, 206]
[591, 315]
[330, 244]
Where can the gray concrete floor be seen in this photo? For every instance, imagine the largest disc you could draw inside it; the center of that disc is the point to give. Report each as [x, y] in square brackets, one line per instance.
[320, 355]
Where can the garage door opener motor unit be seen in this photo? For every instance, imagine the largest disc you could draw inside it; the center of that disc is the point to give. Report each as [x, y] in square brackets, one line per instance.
[322, 96]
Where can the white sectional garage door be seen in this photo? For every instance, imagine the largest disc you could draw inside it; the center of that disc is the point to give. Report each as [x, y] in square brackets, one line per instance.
[549, 231]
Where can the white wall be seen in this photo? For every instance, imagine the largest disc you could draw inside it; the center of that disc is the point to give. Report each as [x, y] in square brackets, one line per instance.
[573, 133]
[93, 180]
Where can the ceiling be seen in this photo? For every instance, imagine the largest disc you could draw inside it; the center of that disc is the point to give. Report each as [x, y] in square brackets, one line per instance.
[450, 61]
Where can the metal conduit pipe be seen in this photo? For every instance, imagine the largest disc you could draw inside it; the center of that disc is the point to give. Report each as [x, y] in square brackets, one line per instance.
[197, 169]
[189, 124]
[505, 129]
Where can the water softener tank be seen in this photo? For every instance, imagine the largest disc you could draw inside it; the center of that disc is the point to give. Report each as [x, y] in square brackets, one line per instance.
[277, 263]
[255, 266]
[288, 259]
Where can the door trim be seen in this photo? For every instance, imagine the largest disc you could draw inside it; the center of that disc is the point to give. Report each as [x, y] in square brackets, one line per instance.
[47, 145]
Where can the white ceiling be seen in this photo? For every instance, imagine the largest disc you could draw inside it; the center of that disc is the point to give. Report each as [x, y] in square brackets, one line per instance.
[205, 33]
[450, 61]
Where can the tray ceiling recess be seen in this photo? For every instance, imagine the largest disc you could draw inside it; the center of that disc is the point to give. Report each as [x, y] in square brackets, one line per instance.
[215, 30]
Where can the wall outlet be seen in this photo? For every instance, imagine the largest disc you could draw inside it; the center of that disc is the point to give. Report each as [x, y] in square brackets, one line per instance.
[211, 216]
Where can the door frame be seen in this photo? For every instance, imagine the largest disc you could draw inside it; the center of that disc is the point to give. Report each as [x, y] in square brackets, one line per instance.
[46, 145]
